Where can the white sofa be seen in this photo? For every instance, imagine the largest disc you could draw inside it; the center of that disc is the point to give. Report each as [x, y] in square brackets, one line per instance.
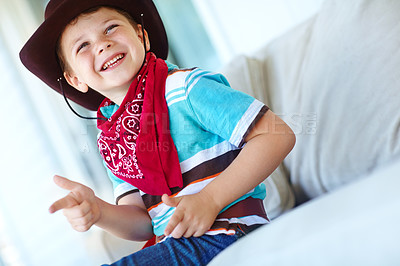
[335, 80]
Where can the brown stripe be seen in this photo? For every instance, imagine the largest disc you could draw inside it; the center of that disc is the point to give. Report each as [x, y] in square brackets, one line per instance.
[205, 169]
[210, 167]
[125, 194]
[175, 70]
[173, 195]
[219, 225]
[246, 207]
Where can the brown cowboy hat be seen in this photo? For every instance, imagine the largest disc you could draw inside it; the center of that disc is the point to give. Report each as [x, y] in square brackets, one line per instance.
[39, 53]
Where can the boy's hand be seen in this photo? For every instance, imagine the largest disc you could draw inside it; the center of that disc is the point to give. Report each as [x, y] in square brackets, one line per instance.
[193, 216]
[79, 206]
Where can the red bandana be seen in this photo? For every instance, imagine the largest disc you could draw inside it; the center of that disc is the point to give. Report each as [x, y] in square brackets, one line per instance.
[135, 142]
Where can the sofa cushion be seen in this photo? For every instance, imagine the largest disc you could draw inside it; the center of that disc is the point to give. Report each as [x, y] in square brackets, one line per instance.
[354, 225]
[336, 81]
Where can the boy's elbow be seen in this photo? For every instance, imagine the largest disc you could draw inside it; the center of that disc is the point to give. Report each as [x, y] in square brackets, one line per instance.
[291, 139]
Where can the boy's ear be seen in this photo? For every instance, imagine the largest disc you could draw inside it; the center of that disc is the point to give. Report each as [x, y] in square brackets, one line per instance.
[74, 81]
[139, 31]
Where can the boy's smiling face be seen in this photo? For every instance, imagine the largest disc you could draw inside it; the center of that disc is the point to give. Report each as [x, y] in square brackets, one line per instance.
[103, 51]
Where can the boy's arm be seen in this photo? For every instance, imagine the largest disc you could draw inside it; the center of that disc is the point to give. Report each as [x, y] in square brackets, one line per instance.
[128, 220]
[267, 144]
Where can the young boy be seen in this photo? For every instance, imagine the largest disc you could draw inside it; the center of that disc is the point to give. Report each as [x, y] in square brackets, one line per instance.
[185, 152]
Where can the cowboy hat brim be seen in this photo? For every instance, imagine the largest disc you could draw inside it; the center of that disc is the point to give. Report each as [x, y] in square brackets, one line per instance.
[39, 53]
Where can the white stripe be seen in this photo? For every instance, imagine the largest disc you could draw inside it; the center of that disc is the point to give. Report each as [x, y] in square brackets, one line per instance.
[160, 210]
[220, 231]
[122, 189]
[166, 209]
[176, 80]
[197, 80]
[211, 233]
[244, 123]
[189, 190]
[247, 220]
[196, 72]
[177, 100]
[182, 91]
[194, 188]
[206, 155]
[185, 93]
[159, 222]
[192, 75]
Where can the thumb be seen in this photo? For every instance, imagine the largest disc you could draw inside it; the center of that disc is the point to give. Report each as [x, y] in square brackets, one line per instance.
[68, 201]
[170, 201]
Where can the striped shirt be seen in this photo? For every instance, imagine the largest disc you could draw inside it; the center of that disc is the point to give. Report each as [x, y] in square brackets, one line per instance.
[208, 124]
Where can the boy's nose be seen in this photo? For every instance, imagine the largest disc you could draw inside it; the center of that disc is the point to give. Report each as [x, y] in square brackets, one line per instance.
[104, 47]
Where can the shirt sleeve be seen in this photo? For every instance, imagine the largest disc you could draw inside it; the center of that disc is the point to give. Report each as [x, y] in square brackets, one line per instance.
[220, 109]
[121, 188]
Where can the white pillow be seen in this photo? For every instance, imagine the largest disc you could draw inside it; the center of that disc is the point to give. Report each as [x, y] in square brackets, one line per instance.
[336, 81]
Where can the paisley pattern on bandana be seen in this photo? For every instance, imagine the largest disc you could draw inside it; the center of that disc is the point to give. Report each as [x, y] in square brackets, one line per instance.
[121, 158]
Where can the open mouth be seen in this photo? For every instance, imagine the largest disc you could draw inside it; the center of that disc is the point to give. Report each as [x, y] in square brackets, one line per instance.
[113, 62]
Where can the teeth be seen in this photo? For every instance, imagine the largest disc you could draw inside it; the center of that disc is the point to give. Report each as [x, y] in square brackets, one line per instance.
[112, 61]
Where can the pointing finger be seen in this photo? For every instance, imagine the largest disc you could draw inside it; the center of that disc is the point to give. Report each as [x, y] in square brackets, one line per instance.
[67, 184]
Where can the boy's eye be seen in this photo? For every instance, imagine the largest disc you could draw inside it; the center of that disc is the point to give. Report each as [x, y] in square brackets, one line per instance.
[83, 45]
[110, 28]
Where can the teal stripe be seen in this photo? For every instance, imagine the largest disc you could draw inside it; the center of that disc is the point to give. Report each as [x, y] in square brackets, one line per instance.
[175, 97]
[158, 226]
[168, 214]
[175, 90]
[159, 231]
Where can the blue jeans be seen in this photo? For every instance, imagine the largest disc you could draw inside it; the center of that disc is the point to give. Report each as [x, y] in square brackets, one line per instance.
[182, 251]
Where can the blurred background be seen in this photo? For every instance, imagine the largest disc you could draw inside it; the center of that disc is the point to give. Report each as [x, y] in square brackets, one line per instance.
[40, 137]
